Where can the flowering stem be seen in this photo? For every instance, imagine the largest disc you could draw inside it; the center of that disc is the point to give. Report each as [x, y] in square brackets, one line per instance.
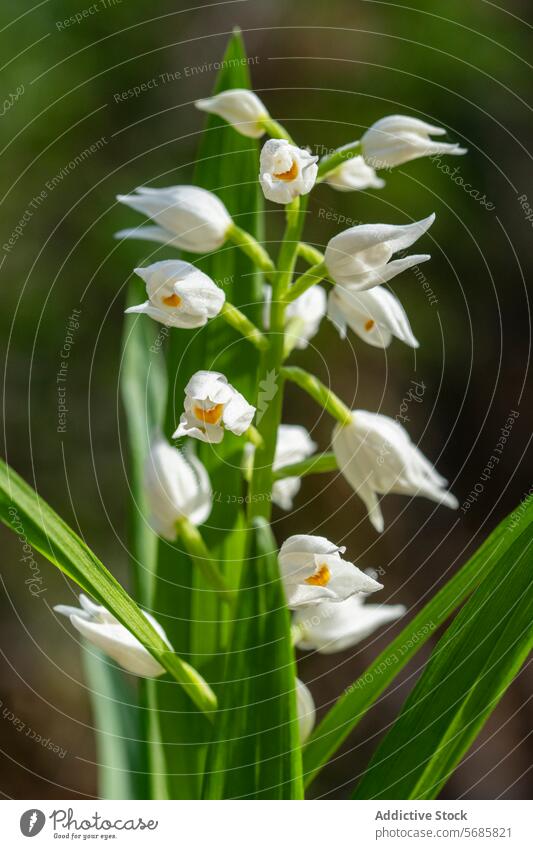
[316, 464]
[275, 130]
[270, 380]
[244, 326]
[321, 394]
[199, 554]
[333, 161]
[309, 278]
[251, 247]
[310, 254]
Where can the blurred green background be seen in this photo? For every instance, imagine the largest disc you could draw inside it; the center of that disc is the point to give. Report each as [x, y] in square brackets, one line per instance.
[72, 138]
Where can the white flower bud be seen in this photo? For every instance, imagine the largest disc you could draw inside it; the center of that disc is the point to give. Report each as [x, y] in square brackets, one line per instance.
[179, 294]
[188, 217]
[305, 709]
[309, 308]
[397, 139]
[212, 406]
[312, 570]
[100, 627]
[354, 175]
[360, 255]
[176, 487]
[375, 315]
[239, 107]
[293, 444]
[329, 627]
[286, 171]
[376, 455]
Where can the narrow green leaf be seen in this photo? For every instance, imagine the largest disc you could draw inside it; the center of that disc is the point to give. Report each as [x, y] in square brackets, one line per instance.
[257, 752]
[22, 510]
[466, 676]
[120, 749]
[354, 703]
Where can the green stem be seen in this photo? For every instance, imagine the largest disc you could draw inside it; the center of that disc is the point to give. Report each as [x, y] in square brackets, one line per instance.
[293, 332]
[316, 464]
[335, 160]
[244, 326]
[320, 393]
[251, 247]
[312, 276]
[253, 436]
[270, 382]
[199, 554]
[274, 129]
[310, 254]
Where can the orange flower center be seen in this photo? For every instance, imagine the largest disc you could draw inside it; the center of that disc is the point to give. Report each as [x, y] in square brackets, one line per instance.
[291, 174]
[320, 578]
[172, 300]
[211, 415]
[369, 324]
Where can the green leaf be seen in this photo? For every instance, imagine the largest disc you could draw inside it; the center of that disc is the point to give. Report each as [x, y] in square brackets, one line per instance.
[354, 703]
[122, 768]
[466, 676]
[191, 613]
[257, 752]
[22, 510]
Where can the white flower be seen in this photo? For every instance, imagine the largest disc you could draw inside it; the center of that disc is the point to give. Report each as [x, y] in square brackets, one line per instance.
[376, 315]
[212, 405]
[188, 217]
[360, 255]
[354, 175]
[239, 107]
[376, 456]
[176, 487]
[100, 627]
[286, 171]
[398, 138]
[329, 628]
[179, 294]
[309, 309]
[293, 444]
[312, 570]
[305, 709]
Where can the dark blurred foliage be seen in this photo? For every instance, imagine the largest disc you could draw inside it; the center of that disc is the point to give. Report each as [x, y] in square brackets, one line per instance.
[328, 70]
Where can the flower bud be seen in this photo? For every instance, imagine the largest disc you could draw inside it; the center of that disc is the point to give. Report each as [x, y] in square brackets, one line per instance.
[375, 315]
[305, 709]
[188, 217]
[309, 309]
[375, 454]
[100, 627]
[354, 175]
[397, 139]
[239, 107]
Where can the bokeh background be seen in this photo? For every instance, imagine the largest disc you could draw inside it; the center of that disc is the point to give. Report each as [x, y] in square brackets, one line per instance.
[328, 70]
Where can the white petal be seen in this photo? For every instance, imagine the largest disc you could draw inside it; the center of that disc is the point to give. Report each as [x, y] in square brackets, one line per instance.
[306, 711]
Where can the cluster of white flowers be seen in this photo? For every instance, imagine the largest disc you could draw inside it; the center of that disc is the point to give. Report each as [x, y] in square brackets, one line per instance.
[373, 452]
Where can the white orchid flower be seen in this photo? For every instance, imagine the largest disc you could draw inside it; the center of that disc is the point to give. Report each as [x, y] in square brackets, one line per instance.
[329, 628]
[286, 171]
[212, 406]
[239, 107]
[360, 255]
[354, 175]
[100, 627]
[306, 711]
[375, 315]
[308, 309]
[293, 444]
[176, 487]
[397, 139]
[187, 217]
[312, 570]
[376, 455]
[179, 294]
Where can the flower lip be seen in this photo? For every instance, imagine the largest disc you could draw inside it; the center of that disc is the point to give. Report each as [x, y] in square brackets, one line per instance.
[320, 578]
[291, 174]
[172, 300]
[209, 415]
